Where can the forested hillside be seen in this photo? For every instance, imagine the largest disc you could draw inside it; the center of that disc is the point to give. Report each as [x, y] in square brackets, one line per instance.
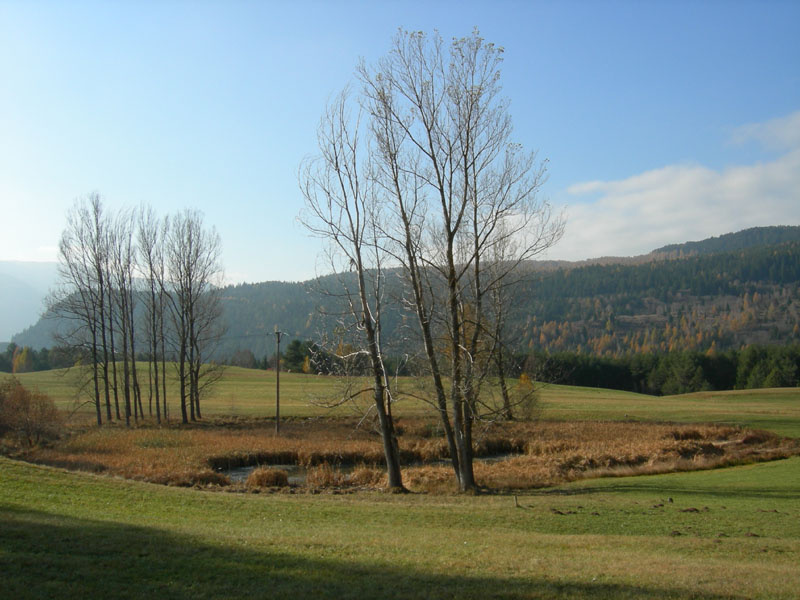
[704, 301]
[724, 300]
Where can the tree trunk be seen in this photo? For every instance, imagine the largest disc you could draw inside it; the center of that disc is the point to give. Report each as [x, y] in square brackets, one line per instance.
[137, 392]
[163, 340]
[182, 369]
[102, 313]
[415, 275]
[95, 378]
[507, 412]
[380, 393]
[154, 354]
[115, 384]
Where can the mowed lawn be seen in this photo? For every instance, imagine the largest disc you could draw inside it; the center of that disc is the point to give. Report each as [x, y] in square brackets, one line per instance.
[729, 533]
[251, 392]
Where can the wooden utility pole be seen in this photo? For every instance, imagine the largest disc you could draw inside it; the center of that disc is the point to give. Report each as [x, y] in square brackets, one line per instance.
[278, 335]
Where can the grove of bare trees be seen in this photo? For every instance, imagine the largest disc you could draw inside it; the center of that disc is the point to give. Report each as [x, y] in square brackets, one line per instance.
[133, 285]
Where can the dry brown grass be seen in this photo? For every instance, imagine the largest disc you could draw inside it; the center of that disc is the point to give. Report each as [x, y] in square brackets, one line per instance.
[267, 477]
[543, 454]
[558, 452]
[324, 476]
[367, 477]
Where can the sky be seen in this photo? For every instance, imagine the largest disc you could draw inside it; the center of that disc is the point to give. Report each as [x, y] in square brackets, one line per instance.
[662, 122]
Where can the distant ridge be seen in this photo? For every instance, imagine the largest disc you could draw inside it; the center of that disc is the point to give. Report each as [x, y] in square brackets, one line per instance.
[730, 242]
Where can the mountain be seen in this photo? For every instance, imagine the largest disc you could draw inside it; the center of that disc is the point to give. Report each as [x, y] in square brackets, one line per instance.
[741, 240]
[748, 238]
[720, 293]
[23, 288]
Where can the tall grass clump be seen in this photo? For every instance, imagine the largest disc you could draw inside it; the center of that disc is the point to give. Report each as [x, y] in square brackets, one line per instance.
[267, 477]
[324, 476]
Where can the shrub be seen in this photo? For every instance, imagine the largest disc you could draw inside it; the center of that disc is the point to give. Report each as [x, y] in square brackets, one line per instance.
[31, 416]
[525, 399]
[266, 477]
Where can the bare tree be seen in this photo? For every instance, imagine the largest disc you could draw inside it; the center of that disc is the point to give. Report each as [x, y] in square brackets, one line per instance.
[206, 331]
[459, 188]
[344, 207]
[498, 307]
[79, 297]
[193, 276]
[150, 235]
[123, 256]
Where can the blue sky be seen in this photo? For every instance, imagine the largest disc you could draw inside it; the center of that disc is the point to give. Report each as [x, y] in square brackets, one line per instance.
[662, 121]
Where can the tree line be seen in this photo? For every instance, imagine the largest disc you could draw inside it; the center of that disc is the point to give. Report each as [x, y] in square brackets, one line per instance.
[659, 374]
[726, 273]
[671, 373]
[627, 289]
[133, 284]
[23, 359]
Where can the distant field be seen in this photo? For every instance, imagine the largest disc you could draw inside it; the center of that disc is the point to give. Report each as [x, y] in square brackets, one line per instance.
[249, 392]
[775, 409]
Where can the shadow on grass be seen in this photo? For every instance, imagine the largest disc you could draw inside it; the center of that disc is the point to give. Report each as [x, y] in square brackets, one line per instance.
[43, 556]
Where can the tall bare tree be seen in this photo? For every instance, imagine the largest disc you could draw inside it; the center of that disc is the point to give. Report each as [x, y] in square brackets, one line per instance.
[344, 207]
[150, 235]
[194, 274]
[80, 295]
[459, 188]
[122, 270]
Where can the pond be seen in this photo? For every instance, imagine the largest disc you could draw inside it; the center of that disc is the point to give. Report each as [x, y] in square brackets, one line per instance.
[297, 474]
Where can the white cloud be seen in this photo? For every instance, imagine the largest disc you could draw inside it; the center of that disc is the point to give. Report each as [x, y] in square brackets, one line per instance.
[680, 203]
[777, 134]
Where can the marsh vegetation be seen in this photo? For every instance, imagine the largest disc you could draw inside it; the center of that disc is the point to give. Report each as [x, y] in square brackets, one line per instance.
[336, 454]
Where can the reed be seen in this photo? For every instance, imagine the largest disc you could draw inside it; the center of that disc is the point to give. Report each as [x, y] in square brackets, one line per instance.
[266, 477]
[523, 455]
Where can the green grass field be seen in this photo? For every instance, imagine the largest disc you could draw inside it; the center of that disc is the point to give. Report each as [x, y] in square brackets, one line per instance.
[249, 392]
[775, 409]
[728, 533]
[732, 533]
